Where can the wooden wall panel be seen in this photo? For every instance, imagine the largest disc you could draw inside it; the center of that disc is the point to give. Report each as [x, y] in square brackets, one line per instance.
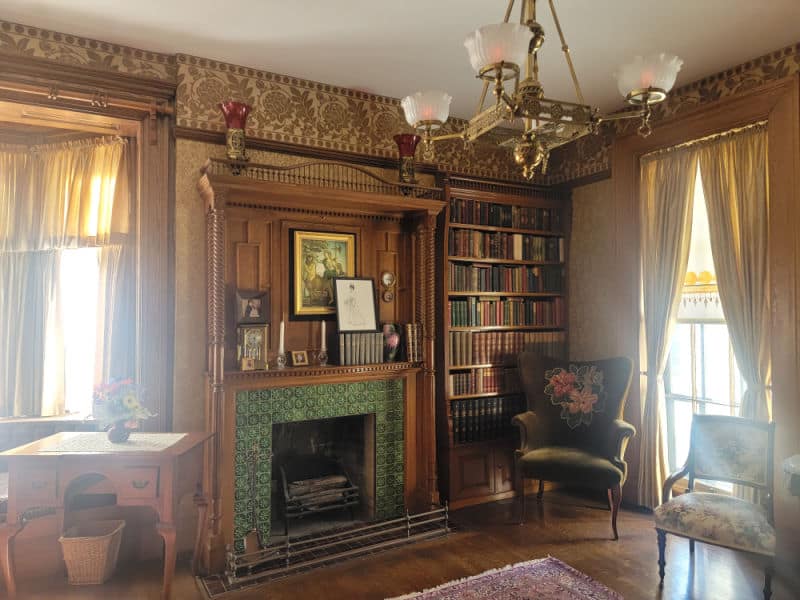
[248, 265]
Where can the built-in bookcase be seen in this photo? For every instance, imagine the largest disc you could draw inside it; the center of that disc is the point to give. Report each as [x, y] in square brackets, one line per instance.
[503, 265]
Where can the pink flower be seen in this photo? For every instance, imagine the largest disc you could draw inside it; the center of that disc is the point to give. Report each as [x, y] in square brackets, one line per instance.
[563, 383]
[583, 399]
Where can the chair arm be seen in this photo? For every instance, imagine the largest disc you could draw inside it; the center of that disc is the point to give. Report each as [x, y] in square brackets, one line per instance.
[619, 433]
[528, 425]
[666, 491]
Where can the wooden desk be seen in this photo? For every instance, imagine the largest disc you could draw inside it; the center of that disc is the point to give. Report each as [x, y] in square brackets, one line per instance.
[144, 472]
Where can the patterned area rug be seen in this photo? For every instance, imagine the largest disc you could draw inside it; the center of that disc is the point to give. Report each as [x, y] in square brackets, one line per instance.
[542, 579]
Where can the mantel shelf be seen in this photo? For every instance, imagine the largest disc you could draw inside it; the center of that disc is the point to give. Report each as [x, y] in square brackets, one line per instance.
[315, 373]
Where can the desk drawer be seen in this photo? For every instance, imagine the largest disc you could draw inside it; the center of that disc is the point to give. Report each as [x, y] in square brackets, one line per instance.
[34, 483]
[136, 482]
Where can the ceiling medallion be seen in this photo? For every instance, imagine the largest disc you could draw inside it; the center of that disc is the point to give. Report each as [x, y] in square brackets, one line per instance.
[504, 55]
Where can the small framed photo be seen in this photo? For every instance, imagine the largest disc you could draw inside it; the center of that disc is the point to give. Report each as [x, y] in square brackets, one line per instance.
[252, 306]
[356, 307]
[253, 346]
[299, 358]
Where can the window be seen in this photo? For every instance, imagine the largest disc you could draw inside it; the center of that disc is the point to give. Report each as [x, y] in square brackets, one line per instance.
[79, 277]
[701, 375]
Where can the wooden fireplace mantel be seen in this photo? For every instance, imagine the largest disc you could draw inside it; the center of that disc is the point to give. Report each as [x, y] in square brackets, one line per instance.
[394, 223]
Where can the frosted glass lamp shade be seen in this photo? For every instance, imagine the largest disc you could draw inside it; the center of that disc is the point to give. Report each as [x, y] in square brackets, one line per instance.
[652, 71]
[432, 105]
[501, 42]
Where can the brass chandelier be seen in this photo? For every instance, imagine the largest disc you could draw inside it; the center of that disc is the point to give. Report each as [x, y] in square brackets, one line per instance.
[505, 55]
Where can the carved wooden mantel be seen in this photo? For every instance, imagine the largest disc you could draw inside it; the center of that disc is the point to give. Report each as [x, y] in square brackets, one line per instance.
[318, 193]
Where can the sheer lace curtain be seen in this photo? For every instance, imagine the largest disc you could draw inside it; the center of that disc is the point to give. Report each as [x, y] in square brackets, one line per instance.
[53, 198]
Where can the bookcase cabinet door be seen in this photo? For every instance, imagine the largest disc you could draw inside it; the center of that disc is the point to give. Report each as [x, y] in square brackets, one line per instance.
[504, 470]
[474, 473]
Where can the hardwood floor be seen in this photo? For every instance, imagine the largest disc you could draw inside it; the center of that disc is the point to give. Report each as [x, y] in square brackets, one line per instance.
[571, 528]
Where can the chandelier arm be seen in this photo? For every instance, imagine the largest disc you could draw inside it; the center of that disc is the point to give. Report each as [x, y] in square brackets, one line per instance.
[509, 8]
[565, 49]
[621, 116]
[483, 96]
[446, 136]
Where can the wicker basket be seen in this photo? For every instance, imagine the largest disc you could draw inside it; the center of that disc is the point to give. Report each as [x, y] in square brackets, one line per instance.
[90, 550]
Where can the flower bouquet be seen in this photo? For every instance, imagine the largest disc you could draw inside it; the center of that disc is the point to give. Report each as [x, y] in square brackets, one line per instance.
[117, 407]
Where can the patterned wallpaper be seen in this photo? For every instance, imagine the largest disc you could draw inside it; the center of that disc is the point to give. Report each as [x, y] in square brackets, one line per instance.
[298, 111]
[32, 42]
[591, 272]
[591, 155]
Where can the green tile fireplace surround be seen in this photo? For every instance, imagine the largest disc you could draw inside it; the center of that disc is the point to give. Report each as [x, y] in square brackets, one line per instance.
[258, 410]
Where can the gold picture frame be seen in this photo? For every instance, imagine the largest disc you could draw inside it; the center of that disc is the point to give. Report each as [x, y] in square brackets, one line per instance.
[299, 358]
[317, 258]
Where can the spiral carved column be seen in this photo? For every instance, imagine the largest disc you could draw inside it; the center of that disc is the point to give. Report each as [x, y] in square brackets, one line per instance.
[215, 290]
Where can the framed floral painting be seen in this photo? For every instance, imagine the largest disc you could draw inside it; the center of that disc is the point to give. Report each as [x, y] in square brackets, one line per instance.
[317, 259]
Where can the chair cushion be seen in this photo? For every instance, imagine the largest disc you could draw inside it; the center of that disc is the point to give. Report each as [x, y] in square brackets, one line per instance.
[570, 465]
[718, 519]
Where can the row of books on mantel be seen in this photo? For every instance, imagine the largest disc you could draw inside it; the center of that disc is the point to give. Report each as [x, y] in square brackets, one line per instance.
[509, 246]
[394, 343]
[475, 212]
[502, 347]
[481, 419]
[506, 278]
[480, 312]
[484, 380]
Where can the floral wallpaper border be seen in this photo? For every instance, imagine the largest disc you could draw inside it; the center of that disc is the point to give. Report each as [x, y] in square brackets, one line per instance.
[298, 111]
[318, 115]
[32, 42]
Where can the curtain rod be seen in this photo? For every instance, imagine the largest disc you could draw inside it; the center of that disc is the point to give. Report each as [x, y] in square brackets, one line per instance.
[758, 125]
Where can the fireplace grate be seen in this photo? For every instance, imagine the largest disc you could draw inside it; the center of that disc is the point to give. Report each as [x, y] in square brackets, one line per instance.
[296, 555]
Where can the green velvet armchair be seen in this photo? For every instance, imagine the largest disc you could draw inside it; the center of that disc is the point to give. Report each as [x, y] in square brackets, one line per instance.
[573, 431]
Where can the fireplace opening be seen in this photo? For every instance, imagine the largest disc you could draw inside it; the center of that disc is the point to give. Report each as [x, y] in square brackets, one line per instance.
[323, 474]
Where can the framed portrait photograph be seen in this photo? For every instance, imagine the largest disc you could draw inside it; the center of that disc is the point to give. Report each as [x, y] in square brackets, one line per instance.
[317, 259]
[299, 358]
[252, 306]
[356, 307]
[253, 342]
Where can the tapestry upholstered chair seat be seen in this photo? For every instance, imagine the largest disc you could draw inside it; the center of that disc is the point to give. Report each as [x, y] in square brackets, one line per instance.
[573, 431]
[734, 450]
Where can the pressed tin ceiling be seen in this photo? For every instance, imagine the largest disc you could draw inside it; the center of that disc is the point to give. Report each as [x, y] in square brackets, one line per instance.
[394, 48]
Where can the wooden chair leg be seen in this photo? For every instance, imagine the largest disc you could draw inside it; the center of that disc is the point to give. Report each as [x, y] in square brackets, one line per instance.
[540, 493]
[768, 580]
[522, 499]
[614, 499]
[662, 545]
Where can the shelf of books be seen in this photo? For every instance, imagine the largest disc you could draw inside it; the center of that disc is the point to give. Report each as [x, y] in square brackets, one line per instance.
[504, 282]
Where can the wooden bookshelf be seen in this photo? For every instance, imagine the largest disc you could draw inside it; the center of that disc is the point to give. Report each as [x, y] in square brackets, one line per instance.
[478, 394]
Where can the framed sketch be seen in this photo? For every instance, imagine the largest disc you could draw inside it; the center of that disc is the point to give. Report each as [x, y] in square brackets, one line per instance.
[356, 308]
[299, 358]
[252, 306]
[317, 259]
[253, 346]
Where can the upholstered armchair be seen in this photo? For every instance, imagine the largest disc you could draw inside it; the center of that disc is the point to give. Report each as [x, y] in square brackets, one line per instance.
[734, 450]
[573, 431]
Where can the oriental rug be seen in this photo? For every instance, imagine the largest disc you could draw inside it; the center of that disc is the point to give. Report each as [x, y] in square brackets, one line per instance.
[542, 579]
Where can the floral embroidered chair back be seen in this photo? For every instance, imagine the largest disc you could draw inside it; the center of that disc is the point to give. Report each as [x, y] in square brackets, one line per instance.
[731, 449]
[575, 401]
